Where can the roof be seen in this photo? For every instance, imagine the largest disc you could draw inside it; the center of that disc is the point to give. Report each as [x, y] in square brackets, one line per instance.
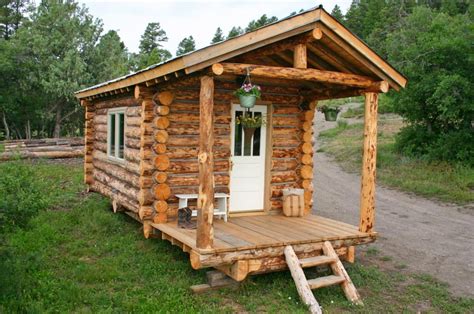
[264, 36]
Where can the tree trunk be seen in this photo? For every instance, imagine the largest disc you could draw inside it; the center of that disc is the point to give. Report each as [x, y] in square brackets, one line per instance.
[57, 123]
[5, 125]
[28, 130]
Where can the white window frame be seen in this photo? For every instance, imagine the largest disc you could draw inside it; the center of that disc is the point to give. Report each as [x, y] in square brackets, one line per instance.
[115, 112]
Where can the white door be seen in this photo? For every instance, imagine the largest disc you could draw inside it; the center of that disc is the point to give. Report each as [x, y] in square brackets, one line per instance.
[247, 179]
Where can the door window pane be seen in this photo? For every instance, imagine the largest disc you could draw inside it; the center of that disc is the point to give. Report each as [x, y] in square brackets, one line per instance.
[256, 138]
[238, 136]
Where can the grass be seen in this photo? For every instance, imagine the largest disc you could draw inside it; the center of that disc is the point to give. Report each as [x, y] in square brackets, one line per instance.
[440, 180]
[77, 256]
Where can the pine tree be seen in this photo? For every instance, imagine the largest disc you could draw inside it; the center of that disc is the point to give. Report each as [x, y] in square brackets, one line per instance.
[337, 13]
[262, 21]
[186, 45]
[151, 48]
[218, 36]
[235, 31]
[110, 58]
[12, 12]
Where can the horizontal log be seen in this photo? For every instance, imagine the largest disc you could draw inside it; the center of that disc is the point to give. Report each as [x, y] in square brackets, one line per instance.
[114, 183]
[162, 162]
[162, 123]
[159, 148]
[286, 152]
[193, 180]
[283, 176]
[117, 172]
[286, 120]
[124, 200]
[160, 206]
[117, 102]
[162, 191]
[135, 111]
[193, 129]
[192, 166]
[284, 164]
[219, 142]
[301, 74]
[162, 110]
[160, 177]
[129, 166]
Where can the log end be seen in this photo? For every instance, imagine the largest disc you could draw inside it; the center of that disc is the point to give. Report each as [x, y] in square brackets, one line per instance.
[217, 69]
[317, 33]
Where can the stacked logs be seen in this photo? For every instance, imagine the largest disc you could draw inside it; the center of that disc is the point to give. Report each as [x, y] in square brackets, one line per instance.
[145, 195]
[307, 157]
[88, 142]
[161, 162]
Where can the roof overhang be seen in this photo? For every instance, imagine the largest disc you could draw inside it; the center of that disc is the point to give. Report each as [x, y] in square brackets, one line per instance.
[283, 29]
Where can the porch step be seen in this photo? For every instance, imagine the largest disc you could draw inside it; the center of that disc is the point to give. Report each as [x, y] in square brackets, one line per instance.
[325, 281]
[316, 261]
[304, 286]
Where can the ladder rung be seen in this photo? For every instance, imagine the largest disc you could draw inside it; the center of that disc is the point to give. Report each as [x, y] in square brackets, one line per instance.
[316, 260]
[325, 281]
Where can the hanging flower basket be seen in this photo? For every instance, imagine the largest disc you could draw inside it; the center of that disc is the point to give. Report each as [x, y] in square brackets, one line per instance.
[247, 101]
[250, 124]
[330, 113]
[248, 93]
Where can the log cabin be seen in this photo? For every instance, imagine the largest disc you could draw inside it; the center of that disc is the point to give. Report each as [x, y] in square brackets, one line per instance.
[168, 133]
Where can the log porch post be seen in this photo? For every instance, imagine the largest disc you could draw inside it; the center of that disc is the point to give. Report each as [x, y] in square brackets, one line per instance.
[367, 192]
[205, 204]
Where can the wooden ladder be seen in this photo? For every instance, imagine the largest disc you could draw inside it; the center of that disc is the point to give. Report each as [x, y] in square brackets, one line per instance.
[304, 286]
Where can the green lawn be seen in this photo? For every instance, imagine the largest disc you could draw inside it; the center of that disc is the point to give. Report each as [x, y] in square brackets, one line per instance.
[75, 255]
[443, 181]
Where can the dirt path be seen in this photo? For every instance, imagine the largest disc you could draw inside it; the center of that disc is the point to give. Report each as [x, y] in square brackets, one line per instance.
[428, 237]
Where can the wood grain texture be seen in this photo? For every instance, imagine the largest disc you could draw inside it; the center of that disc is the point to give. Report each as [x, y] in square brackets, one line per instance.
[205, 204]
[367, 193]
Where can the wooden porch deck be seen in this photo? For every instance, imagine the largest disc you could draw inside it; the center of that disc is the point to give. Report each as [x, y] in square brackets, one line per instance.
[262, 239]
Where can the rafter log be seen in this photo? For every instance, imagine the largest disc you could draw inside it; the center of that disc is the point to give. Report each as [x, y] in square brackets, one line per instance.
[339, 78]
[287, 44]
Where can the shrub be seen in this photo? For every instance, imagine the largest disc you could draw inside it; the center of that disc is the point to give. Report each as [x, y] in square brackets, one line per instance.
[437, 103]
[22, 195]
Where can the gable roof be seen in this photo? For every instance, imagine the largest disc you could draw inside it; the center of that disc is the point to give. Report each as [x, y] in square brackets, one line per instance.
[266, 35]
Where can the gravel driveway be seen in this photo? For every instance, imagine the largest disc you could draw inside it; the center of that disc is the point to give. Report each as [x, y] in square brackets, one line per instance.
[427, 236]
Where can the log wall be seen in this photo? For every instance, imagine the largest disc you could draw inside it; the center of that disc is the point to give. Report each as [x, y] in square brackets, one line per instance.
[161, 152]
[117, 180]
[285, 150]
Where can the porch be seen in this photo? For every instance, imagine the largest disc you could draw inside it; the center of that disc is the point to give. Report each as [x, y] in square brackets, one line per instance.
[255, 244]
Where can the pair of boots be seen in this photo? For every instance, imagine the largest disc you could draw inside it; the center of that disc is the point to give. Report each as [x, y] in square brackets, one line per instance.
[184, 218]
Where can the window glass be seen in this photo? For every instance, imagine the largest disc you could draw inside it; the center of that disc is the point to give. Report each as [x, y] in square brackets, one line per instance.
[121, 134]
[256, 138]
[116, 134]
[238, 136]
[112, 135]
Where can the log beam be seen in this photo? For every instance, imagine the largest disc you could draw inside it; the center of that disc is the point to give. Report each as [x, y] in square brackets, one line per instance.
[367, 192]
[205, 203]
[315, 75]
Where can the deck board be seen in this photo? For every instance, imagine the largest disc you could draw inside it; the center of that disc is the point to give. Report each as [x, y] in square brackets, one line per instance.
[254, 232]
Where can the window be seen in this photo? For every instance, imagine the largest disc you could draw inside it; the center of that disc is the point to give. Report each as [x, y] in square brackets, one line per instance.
[246, 145]
[116, 133]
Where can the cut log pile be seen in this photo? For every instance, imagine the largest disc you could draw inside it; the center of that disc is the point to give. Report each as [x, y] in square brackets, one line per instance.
[42, 148]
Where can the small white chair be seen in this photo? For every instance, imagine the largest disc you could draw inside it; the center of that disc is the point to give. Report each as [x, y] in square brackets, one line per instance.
[220, 210]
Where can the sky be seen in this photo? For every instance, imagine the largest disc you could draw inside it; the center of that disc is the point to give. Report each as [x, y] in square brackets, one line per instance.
[198, 18]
